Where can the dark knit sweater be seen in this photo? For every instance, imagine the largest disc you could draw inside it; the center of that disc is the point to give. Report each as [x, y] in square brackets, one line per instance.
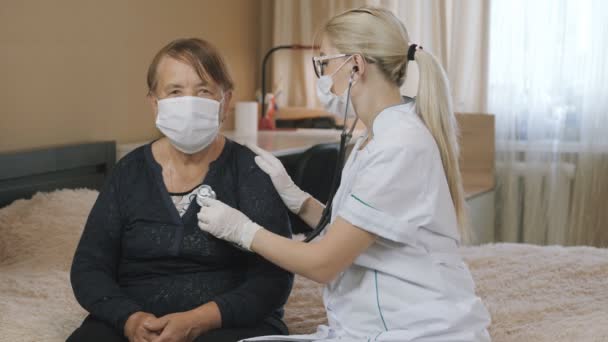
[137, 254]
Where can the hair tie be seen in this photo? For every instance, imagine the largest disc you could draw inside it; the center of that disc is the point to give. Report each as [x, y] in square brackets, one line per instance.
[412, 50]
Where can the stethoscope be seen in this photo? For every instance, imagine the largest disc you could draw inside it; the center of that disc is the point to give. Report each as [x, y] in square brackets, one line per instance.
[205, 191]
[345, 138]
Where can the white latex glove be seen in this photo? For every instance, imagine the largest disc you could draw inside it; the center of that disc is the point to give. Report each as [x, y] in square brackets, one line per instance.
[290, 193]
[226, 223]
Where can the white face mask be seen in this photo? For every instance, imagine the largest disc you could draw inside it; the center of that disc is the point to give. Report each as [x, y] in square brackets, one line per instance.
[190, 123]
[335, 104]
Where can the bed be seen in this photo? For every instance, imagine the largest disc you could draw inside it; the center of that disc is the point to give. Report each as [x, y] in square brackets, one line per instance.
[533, 293]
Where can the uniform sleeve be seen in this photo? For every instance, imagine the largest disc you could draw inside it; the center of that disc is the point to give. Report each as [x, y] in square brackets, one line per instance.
[390, 196]
[267, 286]
[95, 263]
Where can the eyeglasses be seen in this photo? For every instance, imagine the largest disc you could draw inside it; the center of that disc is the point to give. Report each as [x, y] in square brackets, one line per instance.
[319, 63]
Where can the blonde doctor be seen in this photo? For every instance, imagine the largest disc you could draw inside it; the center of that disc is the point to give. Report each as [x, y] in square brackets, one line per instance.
[389, 258]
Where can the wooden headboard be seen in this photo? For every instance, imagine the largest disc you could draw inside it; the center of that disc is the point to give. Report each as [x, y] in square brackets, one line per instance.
[24, 173]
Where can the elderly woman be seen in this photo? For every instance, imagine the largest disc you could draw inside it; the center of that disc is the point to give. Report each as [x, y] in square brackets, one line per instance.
[143, 268]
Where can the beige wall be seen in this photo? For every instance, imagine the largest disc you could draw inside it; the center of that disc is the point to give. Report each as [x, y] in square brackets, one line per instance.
[74, 70]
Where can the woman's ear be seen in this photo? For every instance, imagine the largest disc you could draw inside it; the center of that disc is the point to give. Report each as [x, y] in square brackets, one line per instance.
[225, 105]
[153, 103]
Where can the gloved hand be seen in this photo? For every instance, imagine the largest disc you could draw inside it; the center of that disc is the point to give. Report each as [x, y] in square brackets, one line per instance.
[226, 223]
[292, 196]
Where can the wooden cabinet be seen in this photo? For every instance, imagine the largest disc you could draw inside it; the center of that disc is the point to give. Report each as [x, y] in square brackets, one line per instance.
[477, 167]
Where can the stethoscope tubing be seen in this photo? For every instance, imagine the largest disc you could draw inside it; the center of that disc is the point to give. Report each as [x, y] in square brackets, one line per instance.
[345, 138]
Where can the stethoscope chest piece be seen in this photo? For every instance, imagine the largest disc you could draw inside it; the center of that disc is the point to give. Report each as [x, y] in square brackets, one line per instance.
[204, 191]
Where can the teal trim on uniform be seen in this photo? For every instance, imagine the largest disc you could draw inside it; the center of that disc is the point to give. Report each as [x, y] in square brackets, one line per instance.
[376, 338]
[358, 199]
[378, 301]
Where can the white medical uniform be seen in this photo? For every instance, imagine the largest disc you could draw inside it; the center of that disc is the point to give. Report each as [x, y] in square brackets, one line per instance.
[411, 284]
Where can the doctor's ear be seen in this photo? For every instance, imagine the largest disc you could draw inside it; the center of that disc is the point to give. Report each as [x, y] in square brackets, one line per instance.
[358, 65]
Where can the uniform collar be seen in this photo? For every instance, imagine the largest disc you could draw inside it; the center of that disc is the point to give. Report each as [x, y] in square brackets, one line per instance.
[387, 116]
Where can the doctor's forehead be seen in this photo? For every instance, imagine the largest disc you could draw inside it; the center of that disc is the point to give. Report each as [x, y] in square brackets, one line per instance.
[326, 48]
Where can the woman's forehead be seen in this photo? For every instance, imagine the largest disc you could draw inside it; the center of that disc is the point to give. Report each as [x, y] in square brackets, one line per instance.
[174, 70]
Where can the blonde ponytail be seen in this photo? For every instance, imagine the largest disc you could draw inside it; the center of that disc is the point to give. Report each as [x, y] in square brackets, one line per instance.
[434, 106]
[381, 38]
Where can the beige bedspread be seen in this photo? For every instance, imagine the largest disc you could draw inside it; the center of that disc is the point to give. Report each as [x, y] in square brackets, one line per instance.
[533, 293]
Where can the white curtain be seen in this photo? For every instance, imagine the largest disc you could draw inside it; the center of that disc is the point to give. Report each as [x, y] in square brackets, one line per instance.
[548, 89]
